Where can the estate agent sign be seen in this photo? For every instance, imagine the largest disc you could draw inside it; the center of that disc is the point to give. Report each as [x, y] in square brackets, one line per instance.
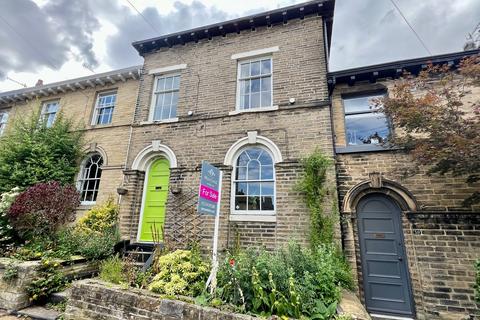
[209, 192]
[209, 195]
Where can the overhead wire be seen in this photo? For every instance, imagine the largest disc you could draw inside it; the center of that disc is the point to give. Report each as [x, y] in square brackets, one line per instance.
[411, 28]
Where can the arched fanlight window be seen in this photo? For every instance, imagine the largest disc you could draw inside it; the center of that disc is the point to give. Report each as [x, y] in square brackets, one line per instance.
[90, 178]
[254, 182]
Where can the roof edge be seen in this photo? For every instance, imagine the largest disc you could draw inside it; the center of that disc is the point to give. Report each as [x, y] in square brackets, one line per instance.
[281, 15]
[99, 79]
[400, 64]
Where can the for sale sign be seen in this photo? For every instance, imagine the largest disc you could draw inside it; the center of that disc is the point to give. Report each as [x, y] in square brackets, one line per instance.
[209, 191]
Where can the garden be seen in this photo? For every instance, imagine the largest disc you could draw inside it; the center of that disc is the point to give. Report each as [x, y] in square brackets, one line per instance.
[42, 249]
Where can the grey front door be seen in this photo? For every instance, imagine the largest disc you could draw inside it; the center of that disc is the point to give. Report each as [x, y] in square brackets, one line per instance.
[386, 281]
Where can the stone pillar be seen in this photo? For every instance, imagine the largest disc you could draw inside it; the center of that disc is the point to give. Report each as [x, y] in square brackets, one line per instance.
[131, 203]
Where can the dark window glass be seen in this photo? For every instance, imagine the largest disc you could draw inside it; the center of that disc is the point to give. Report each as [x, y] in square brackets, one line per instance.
[254, 182]
[90, 175]
[365, 125]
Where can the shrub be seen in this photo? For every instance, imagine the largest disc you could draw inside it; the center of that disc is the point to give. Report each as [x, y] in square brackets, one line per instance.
[100, 218]
[111, 270]
[124, 271]
[48, 281]
[92, 245]
[32, 153]
[43, 208]
[287, 282]
[10, 273]
[182, 272]
[6, 230]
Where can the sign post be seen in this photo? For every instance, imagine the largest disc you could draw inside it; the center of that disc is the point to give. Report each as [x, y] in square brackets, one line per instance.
[209, 196]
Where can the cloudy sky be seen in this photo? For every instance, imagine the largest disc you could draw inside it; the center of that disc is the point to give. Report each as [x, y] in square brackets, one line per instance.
[59, 39]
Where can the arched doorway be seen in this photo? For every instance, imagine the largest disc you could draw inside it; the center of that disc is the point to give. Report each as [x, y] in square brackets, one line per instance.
[386, 280]
[155, 194]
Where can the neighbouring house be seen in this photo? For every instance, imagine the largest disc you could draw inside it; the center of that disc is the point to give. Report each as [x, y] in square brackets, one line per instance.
[103, 105]
[251, 97]
[408, 237]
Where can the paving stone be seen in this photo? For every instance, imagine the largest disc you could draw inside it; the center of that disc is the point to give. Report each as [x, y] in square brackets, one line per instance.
[40, 313]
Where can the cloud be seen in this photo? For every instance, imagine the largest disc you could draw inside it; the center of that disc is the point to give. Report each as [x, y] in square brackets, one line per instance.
[35, 37]
[370, 31]
[133, 27]
[365, 32]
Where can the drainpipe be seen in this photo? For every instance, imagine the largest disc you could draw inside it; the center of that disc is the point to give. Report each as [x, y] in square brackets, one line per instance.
[139, 71]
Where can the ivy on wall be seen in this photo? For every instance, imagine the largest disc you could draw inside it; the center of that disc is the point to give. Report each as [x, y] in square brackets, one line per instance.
[314, 187]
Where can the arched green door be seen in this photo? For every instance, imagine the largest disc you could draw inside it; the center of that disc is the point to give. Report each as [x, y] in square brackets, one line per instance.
[155, 199]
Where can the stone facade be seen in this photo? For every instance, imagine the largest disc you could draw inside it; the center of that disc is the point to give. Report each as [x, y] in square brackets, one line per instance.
[110, 140]
[441, 236]
[208, 88]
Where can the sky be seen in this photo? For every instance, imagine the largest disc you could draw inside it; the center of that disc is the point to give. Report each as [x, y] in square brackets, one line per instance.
[55, 40]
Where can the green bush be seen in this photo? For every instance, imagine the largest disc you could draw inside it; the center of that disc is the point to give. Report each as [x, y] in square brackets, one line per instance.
[92, 245]
[124, 271]
[100, 218]
[32, 153]
[290, 281]
[182, 272]
[111, 270]
[49, 280]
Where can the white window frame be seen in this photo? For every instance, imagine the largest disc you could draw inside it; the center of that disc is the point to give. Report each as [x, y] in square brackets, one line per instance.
[155, 92]
[3, 121]
[45, 113]
[97, 107]
[81, 179]
[238, 108]
[252, 215]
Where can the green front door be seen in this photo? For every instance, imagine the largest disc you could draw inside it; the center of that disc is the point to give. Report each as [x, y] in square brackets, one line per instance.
[155, 198]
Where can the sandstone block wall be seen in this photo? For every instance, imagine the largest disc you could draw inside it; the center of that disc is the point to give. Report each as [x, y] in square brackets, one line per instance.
[208, 88]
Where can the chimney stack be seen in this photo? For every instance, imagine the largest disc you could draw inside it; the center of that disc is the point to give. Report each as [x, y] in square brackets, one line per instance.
[39, 83]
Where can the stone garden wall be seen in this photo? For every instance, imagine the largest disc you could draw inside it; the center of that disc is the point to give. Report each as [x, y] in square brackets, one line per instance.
[13, 295]
[94, 299]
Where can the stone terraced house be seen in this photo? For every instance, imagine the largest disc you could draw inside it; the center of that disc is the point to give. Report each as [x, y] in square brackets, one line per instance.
[408, 236]
[103, 105]
[253, 96]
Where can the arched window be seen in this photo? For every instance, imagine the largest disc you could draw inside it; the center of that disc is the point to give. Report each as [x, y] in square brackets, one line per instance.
[254, 182]
[90, 175]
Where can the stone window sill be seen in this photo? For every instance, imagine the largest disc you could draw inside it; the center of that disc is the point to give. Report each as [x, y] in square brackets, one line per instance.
[272, 108]
[364, 148]
[253, 217]
[159, 121]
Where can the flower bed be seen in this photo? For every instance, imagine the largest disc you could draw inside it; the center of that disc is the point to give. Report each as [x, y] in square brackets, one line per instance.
[94, 299]
[16, 277]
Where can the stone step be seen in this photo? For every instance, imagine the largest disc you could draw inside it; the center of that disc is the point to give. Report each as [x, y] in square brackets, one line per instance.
[39, 313]
[59, 297]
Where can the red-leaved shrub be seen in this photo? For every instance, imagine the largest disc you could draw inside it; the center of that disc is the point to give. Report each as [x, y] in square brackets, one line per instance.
[43, 208]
